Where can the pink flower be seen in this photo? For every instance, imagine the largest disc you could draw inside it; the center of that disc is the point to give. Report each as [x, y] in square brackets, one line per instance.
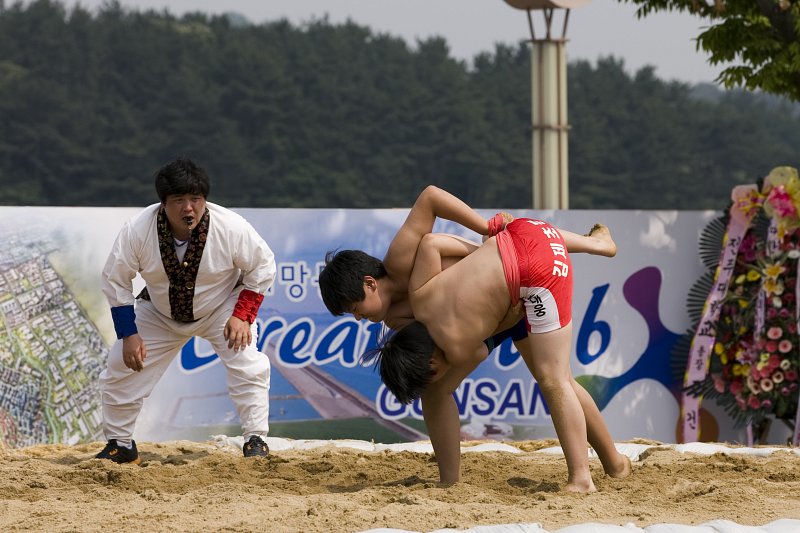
[785, 391]
[785, 346]
[792, 328]
[736, 387]
[783, 313]
[774, 361]
[781, 202]
[777, 377]
[791, 375]
[771, 346]
[740, 403]
[719, 385]
[771, 313]
[766, 403]
[766, 384]
[774, 333]
[753, 403]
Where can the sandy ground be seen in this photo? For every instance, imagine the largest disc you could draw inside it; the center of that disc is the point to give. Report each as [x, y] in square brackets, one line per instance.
[187, 486]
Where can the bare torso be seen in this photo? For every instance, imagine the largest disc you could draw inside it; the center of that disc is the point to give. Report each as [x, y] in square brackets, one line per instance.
[400, 313]
[463, 305]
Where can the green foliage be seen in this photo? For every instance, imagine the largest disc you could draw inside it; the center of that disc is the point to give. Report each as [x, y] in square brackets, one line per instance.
[327, 115]
[757, 40]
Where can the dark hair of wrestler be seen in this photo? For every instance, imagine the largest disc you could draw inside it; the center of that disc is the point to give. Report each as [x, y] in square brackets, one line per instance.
[404, 361]
[341, 281]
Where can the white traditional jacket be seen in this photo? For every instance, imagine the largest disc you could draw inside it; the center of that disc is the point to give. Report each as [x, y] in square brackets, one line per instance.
[234, 255]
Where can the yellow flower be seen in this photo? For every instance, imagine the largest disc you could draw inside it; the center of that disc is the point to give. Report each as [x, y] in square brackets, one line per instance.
[719, 348]
[772, 286]
[753, 275]
[747, 200]
[786, 176]
[724, 358]
[742, 303]
[742, 331]
[740, 279]
[781, 226]
[737, 369]
[773, 270]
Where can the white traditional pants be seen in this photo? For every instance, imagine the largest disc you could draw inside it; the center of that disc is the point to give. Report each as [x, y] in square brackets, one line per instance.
[124, 390]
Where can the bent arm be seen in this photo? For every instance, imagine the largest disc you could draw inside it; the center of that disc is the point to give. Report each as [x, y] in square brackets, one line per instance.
[255, 259]
[434, 253]
[120, 268]
[431, 204]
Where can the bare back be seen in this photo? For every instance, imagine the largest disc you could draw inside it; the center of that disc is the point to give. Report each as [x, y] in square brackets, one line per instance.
[400, 312]
[463, 305]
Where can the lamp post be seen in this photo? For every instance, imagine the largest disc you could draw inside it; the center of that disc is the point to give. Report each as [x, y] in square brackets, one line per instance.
[549, 141]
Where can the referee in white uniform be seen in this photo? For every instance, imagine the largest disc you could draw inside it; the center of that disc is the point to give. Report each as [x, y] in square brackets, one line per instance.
[206, 271]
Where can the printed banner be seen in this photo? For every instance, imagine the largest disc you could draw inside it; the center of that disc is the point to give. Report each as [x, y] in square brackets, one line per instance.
[55, 331]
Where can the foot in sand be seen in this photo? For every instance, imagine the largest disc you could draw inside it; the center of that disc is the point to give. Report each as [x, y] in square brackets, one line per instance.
[622, 470]
[580, 488]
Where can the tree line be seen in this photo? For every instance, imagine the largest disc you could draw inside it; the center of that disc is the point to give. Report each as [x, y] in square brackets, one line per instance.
[337, 115]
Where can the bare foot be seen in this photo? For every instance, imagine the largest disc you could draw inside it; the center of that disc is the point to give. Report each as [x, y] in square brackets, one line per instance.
[580, 488]
[623, 470]
[602, 237]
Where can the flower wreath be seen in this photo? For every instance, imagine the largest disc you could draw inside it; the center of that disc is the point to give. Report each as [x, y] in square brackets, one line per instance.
[753, 368]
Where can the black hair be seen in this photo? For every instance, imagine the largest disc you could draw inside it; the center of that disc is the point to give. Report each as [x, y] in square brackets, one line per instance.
[341, 281]
[404, 361]
[181, 176]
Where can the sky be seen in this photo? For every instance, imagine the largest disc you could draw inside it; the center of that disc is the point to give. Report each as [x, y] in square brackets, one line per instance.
[601, 28]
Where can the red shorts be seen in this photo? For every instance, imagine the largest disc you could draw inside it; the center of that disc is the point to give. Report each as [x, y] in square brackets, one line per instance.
[538, 272]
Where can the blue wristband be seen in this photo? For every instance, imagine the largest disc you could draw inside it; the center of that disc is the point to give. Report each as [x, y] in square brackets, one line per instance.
[124, 320]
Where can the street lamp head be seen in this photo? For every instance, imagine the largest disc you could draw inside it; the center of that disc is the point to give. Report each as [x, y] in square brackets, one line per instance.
[546, 4]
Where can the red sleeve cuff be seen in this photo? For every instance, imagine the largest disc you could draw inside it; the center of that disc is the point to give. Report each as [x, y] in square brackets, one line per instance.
[246, 307]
